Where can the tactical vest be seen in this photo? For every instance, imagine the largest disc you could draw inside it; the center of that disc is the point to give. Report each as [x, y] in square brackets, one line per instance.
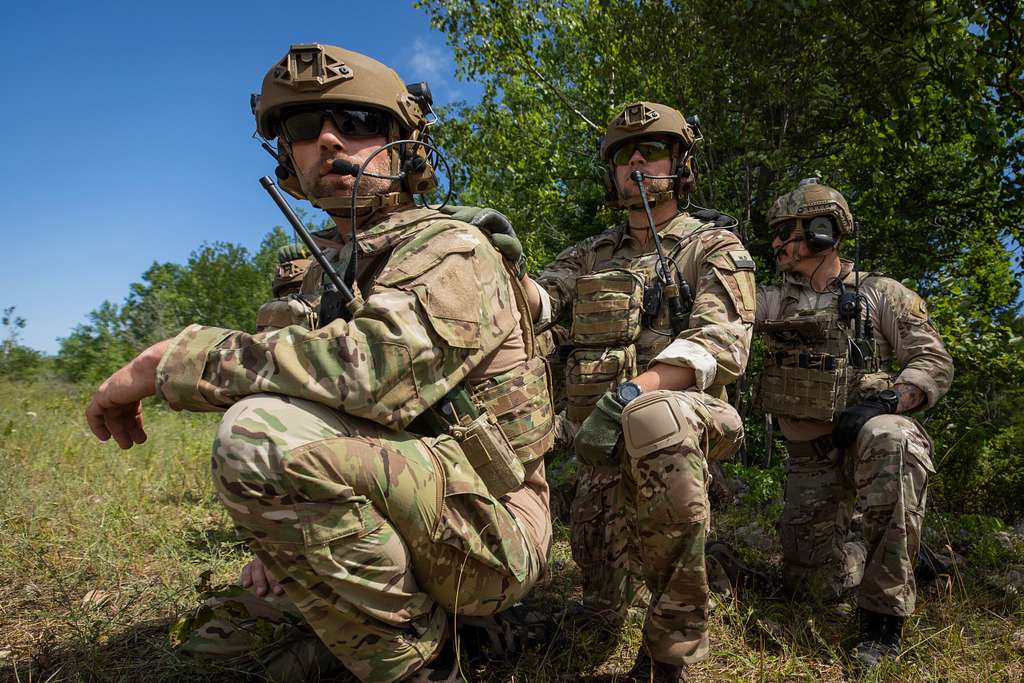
[501, 423]
[617, 327]
[813, 366]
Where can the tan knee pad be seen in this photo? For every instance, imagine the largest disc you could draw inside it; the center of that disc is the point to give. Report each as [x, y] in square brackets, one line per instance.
[658, 420]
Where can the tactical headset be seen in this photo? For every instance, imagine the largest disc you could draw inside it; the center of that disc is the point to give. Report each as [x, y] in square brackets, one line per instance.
[821, 233]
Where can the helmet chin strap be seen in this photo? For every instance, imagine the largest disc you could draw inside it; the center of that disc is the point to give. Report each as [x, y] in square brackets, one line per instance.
[365, 204]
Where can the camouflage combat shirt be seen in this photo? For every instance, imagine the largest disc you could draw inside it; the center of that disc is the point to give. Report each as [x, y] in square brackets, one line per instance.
[442, 314]
[901, 329]
[719, 272]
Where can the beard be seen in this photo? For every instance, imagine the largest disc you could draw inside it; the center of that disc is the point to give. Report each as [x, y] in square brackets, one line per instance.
[317, 186]
[653, 186]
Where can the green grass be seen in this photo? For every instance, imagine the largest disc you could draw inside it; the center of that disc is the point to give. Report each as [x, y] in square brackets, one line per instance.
[100, 549]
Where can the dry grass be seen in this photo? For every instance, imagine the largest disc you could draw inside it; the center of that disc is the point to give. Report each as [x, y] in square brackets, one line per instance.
[100, 549]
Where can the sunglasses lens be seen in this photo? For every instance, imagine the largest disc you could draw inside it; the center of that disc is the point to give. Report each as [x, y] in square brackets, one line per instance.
[783, 230]
[359, 123]
[302, 126]
[306, 125]
[652, 150]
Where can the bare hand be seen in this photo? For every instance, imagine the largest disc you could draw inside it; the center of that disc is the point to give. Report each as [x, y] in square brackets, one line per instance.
[116, 407]
[256, 575]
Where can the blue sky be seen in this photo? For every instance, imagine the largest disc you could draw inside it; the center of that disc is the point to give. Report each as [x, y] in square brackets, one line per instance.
[127, 134]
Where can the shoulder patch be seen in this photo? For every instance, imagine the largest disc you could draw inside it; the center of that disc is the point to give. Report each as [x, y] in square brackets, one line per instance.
[741, 259]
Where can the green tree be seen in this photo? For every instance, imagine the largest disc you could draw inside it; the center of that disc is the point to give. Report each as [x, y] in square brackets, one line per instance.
[221, 284]
[913, 109]
[17, 361]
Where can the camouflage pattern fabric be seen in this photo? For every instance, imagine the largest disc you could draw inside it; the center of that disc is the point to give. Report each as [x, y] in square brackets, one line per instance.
[884, 475]
[307, 487]
[377, 534]
[628, 543]
[641, 530]
[260, 637]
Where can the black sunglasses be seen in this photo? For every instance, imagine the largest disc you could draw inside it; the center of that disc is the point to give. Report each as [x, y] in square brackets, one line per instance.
[305, 124]
[783, 230]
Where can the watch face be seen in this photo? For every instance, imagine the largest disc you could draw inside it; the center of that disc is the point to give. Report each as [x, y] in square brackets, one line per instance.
[627, 392]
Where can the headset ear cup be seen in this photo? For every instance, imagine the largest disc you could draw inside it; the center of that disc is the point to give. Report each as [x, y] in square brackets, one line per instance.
[820, 233]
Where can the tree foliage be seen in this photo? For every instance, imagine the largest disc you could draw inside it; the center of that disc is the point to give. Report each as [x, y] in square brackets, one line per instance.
[17, 361]
[914, 110]
[221, 284]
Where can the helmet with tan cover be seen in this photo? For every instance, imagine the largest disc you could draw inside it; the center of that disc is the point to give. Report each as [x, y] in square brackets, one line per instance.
[645, 120]
[811, 199]
[313, 74]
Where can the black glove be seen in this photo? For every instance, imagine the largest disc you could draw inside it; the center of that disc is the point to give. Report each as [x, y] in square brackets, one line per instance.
[851, 420]
[721, 220]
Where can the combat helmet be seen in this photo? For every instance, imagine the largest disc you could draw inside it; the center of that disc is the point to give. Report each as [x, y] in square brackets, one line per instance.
[312, 74]
[644, 120]
[809, 200]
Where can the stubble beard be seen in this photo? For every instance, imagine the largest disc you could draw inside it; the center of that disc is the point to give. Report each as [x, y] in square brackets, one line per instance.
[317, 186]
[653, 186]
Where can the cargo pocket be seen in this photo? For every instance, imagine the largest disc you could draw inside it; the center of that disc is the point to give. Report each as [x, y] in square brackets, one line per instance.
[471, 521]
[325, 523]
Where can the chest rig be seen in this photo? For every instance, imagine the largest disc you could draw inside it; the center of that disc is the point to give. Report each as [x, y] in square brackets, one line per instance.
[620, 322]
[815, 363]
[501, 423]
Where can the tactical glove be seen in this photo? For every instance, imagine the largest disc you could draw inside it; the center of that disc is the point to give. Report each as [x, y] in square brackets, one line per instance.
[597, 442]
[498, 229]
[851, 420]
[291, 252]
[721, 220]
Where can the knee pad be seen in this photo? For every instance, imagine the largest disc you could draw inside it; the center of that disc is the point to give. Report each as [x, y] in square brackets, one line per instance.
[658, 420]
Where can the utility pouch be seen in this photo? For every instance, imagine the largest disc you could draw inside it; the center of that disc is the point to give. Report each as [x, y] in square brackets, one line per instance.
[607, 308]
[802, 385]
[589, 373]
[520, 401]
[490, 453]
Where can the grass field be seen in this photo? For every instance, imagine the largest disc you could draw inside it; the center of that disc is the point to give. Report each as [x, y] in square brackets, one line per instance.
[100, 549]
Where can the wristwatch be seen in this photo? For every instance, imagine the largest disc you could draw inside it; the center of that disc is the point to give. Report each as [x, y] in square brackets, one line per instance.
[890, 398]
[626, 392]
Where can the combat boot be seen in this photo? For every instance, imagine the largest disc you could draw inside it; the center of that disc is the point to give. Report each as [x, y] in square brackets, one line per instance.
[880, 636]
[648, 670]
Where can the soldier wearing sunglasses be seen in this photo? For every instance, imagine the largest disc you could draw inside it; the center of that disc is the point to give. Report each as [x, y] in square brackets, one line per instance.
[834, 338]
[649, 401]
[385, 467]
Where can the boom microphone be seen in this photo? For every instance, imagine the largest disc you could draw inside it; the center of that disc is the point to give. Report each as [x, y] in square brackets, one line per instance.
[342, 167]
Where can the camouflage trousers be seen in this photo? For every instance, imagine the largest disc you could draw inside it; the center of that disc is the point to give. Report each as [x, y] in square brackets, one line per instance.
[376, 536]
[649, 519]
[884, 477]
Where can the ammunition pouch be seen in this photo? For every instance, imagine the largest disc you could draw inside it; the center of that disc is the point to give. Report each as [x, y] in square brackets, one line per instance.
[490, 453]
[608, 308]
[589, 373]
[520, 401]
[505, 423]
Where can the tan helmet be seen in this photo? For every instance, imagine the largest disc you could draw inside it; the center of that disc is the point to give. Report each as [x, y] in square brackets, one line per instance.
[311, 73]
[645, 120]
[811, 199]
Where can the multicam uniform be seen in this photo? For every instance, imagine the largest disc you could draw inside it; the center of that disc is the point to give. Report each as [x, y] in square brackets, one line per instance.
[377, 523]
[649, 516]
[809, 377]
